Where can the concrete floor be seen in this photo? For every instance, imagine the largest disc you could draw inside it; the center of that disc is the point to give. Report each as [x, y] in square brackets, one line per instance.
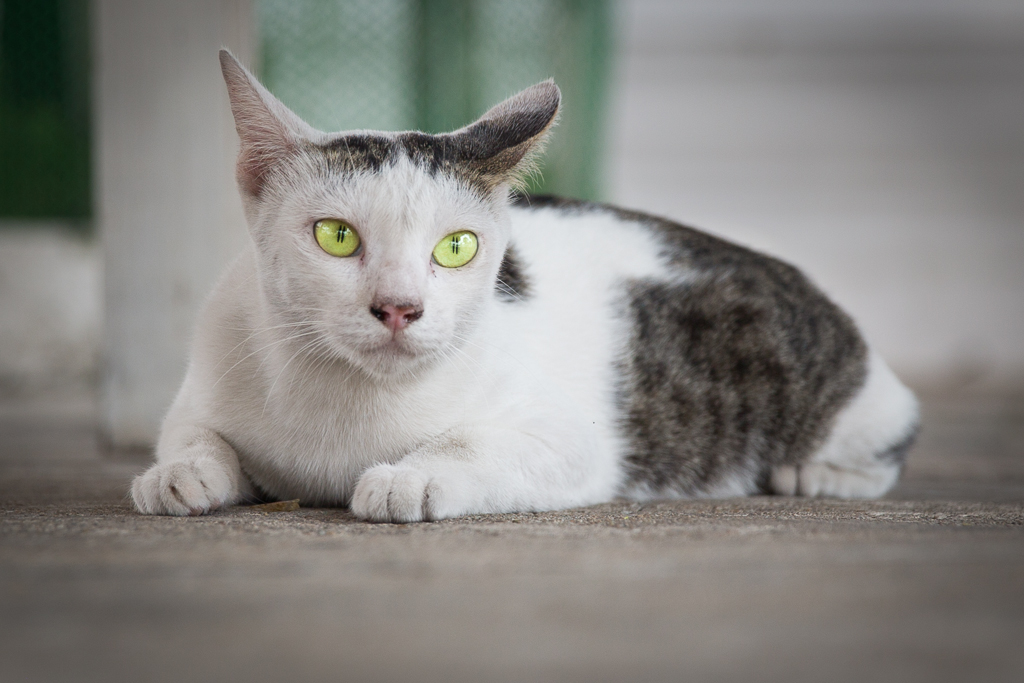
[925, 585]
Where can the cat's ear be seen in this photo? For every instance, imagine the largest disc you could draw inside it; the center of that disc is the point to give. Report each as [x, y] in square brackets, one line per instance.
[268, 130]
[502, 145]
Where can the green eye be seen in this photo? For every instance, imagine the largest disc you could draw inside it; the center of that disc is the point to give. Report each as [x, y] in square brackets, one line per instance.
[457, 249]
[337, 238]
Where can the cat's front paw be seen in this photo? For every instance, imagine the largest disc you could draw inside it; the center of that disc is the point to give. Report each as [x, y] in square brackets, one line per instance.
[184, 487]
[404, 493]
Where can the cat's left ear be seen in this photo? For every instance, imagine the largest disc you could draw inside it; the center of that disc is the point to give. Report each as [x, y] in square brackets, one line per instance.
[502, 145]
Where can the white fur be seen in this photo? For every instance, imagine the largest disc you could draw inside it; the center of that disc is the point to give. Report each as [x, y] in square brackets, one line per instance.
[484, 406]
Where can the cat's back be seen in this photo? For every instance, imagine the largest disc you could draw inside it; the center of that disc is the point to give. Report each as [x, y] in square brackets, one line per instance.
[562, 290]
[714, 363]
[599, 241]
[557, 242]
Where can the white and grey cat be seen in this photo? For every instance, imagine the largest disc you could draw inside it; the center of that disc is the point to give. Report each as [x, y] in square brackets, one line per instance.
[401, 338]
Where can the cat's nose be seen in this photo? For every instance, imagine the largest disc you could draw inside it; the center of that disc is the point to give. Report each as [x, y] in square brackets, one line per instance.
[396, 317]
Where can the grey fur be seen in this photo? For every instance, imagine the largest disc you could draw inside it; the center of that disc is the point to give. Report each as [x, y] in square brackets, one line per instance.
[494, 150]
[739, 368]
[356, 152]
[512, 283]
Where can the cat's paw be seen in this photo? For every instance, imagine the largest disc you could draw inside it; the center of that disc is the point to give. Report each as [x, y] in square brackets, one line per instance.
[825, 480]
[404, 493]
[184, 487]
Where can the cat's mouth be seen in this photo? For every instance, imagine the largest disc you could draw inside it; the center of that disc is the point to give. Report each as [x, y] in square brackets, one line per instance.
[396, 347]
[398, 344]
[395, 355]
[383, 352]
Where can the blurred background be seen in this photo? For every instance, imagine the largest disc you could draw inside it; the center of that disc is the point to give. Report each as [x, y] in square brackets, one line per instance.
[877, 144]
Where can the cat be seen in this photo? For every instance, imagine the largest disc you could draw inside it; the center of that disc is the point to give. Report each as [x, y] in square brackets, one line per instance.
[402, 338]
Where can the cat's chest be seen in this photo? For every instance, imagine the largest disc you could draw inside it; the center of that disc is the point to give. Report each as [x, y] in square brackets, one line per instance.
[314, 443]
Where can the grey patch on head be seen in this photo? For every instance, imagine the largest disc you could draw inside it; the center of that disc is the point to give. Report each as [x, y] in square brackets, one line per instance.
[497, 149]
[358, 152]
[897, 453]
[485, 154]
[435, 154]
[443, 155]
[744, 366]
[512, 283]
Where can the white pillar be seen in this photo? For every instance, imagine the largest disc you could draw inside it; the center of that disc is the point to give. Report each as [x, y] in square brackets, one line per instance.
[168, 213]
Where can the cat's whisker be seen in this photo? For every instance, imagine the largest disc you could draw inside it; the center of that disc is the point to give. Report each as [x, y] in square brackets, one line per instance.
[256, 351]
[451, 351]
[293, 337]
[274, 342]
[259, 330]
[509, 290]
[318, 357]
[270, 391]
[451, 345]
[264, 329]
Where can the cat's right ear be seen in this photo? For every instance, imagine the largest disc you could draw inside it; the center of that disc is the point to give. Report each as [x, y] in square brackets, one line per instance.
[268, 130]
[503, 144]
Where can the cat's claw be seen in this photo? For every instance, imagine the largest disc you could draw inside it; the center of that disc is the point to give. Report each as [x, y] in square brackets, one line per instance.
[397, 493]
[184, 487]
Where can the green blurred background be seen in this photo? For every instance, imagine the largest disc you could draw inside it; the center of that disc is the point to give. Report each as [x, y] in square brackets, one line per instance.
[432, 65]
[44, 110]
[874, 143]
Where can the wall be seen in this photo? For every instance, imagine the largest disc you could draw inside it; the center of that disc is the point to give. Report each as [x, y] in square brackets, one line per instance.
[168, 213]
[878, 145]
[50, 309]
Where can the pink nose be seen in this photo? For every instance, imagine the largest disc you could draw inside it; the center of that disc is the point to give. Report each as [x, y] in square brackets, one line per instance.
[396, 317]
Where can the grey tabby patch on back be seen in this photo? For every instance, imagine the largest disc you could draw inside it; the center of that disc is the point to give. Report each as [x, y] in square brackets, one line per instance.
[739, 366]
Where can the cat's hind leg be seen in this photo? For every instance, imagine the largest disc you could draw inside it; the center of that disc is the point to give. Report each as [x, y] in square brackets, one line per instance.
[196, 472]
[864, 453]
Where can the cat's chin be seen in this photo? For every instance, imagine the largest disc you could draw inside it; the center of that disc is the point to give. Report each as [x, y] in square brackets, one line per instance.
[394, 358]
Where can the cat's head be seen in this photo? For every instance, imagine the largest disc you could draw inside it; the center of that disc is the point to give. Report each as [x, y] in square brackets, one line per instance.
[362, 237]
